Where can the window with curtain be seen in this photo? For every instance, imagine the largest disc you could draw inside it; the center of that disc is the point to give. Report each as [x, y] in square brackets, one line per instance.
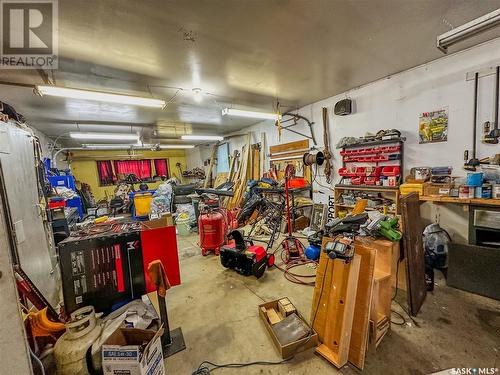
[105, 172]
[161, 167]
[140, 168]
[146, 170]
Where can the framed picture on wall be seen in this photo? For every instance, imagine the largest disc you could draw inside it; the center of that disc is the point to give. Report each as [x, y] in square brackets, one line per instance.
[433, 126]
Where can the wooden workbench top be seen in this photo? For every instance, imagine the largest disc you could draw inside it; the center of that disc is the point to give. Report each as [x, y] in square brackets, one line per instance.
[468, 201]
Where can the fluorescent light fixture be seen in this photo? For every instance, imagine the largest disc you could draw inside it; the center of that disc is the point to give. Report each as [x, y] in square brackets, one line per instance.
[107, 147]
[250, 114]
[66, 92]
[101, 146]
[202, 138]
[172, 147]
[467, 30]
[107, 136]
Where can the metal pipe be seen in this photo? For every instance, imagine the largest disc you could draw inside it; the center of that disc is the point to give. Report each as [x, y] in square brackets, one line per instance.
[495, 126]
[54, 158]
[476, 79]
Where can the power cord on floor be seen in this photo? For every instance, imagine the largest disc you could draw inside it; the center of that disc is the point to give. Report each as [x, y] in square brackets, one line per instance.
[403, 320]
[204, 369]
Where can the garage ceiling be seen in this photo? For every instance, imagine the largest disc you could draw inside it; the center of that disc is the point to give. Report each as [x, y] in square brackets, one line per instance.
[240, 53]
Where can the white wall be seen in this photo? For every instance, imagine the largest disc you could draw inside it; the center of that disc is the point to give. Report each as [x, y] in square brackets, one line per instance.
[396, 102]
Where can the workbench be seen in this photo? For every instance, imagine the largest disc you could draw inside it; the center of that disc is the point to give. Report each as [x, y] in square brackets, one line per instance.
[466, 201]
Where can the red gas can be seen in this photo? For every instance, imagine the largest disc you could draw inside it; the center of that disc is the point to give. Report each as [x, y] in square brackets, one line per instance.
[212, 226]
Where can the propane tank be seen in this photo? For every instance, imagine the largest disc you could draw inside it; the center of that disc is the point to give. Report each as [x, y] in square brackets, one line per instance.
[212, 227]
[70, 350]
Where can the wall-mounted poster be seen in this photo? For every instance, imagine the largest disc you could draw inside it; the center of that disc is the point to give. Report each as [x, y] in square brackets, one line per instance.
[433, 126]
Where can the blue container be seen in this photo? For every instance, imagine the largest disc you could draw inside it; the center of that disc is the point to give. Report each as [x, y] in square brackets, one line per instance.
[76, 202]
[474, 179]
[66, 181]
[312, 252]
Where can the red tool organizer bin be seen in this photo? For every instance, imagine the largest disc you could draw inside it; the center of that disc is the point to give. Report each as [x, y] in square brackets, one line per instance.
[357, 180]
[391, 170]
[346, 172]
[379, 151]
[360, 171]
[373, 171]
[371, 180]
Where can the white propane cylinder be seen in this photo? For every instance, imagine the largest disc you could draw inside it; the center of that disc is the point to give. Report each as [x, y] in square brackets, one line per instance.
[71, 348]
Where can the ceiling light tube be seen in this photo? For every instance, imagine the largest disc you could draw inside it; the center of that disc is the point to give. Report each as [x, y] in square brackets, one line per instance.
[172, 147]
[107, 136]
[107, 147]
[250, 114]
[202, 137]
[66, 92]
[467, 30]
[133, 146]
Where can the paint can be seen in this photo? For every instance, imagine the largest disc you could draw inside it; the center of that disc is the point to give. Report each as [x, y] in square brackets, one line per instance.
[483, 191]
[465, 192]
[495, 192]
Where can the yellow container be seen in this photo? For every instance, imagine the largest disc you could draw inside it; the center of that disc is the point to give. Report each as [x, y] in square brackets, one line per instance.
[407, 188]
[142, 203]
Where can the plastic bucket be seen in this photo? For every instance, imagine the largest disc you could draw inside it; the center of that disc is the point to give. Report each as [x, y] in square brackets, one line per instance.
[183, 227]
[474, 179]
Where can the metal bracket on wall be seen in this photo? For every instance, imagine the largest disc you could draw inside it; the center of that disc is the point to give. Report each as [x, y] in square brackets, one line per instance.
[293, 119]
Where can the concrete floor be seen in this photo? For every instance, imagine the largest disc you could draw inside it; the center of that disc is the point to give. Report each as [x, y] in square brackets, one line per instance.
[217, 310]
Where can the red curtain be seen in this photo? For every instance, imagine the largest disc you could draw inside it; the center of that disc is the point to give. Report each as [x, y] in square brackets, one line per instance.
[141, 168]
[161, 167]
[105, 171]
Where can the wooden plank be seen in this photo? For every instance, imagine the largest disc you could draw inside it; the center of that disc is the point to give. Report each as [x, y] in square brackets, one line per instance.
[414, 253]
[256, 173]
[221, 178]
[213, 163]
[340, 312]
[290, 146]
[361, 320]
[241, 180]
[232, 168]
[321, 292]
[273, 316]
[262, 159]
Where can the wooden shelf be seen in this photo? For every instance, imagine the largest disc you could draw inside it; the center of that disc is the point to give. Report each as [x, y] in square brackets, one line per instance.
[376, 142]
[467, 201]
[366, 187]
[366, 209]
[381, 275]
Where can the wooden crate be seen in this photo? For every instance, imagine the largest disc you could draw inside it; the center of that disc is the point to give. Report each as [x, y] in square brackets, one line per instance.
[288, 350]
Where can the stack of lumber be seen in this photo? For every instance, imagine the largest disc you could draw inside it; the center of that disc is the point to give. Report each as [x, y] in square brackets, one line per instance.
[241, 176]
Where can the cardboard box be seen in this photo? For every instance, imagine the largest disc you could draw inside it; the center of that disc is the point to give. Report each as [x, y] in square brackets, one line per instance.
[294, 347]
[437, 189]
[164, 221]
[124, 353]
